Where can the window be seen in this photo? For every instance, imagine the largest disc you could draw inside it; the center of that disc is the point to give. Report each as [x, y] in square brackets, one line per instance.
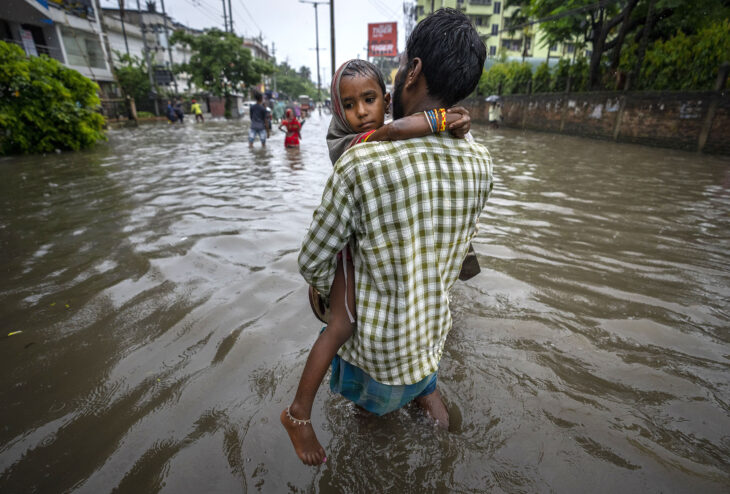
[554, 47]
[480, 2]
[497, 7]
[495, 28]
[570, 48]
[492, 51]
[82, 49]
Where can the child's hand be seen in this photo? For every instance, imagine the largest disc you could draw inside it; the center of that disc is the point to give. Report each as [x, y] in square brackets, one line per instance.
[458, 121]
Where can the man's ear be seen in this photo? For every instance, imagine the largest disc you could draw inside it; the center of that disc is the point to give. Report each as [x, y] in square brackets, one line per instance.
[387, 103]
[414, 72]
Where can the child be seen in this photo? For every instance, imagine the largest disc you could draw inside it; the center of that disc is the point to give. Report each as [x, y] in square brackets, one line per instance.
[359, 107]
[195, 108]
[293, 129]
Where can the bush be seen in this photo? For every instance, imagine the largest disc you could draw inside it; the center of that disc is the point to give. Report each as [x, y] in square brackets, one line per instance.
[519, 76]
[579, 75]
[685, 62]
[559, 80]
[493, 80]
[541, 79]
[506, 78]
[45, 106]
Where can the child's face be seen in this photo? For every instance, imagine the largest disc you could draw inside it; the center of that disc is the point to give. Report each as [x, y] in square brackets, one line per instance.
[363, 102]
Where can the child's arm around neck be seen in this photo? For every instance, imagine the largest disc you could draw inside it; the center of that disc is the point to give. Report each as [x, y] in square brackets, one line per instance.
[458, 122]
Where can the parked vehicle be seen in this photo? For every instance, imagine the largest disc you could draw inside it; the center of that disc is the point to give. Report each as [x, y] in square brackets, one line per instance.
[305, 105]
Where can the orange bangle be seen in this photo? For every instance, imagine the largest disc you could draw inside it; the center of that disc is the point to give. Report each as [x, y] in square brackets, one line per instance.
[442, 127]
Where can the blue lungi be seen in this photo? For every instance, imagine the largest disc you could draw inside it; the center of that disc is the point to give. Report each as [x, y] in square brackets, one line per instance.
[357, 386]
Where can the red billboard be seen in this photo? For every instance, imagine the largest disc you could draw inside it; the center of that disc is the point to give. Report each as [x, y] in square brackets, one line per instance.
[383, 39]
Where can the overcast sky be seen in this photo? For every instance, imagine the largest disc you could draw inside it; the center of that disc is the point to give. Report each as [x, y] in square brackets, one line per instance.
[289, 25]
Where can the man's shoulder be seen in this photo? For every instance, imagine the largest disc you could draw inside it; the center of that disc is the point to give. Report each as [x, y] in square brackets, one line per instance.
[441, 148]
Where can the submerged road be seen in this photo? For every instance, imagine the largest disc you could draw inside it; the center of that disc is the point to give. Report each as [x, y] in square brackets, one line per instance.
[161, 324]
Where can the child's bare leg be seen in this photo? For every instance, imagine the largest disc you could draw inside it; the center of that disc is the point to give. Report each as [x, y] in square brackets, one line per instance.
[323, 351]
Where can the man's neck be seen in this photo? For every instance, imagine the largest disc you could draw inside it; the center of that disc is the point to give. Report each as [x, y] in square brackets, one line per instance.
[427, 103]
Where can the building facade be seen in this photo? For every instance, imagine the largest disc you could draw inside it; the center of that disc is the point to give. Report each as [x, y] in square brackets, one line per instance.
[129, 31]
[68, 31]
[491, 19]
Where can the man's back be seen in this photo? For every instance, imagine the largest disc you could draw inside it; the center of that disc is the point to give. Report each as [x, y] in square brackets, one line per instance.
[258, 116]
[414, 207]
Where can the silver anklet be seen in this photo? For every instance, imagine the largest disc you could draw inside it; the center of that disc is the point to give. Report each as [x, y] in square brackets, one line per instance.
[296, 420]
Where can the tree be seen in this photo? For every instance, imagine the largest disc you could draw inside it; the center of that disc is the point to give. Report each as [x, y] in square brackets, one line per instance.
[220, 63]
[132, 77]
[582, 22]
[45, 106]
[292, 82]
[608, 26]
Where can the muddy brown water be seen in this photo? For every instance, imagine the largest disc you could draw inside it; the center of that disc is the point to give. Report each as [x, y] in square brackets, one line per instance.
[163, 323]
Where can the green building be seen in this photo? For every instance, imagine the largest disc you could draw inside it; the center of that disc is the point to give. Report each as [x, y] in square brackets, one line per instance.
[491, 19]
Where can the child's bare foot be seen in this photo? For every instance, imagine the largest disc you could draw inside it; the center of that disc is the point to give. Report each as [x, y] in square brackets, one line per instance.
[434, 407]
[304, 439]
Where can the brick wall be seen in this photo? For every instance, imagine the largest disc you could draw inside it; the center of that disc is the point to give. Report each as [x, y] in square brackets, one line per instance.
[682, 120]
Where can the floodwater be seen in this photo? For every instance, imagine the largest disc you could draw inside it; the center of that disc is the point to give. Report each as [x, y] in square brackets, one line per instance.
[163, 323]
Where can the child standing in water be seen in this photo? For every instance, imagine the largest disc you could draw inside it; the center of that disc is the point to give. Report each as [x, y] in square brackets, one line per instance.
[293, 129]
[359, 105]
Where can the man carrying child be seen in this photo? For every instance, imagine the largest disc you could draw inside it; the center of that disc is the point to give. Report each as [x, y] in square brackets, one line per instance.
[412, 208]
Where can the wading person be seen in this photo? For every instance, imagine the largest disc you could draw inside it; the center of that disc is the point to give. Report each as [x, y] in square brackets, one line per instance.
[411, 208]
[293, 129]
[258, 122]
[361, 104]
[195, 108]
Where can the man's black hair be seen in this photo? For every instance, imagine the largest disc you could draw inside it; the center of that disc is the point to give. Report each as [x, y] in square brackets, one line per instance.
[259, 97]
[452, 54]
[364, 68]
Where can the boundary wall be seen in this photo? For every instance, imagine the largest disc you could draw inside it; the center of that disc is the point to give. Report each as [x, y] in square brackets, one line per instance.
[691, 120]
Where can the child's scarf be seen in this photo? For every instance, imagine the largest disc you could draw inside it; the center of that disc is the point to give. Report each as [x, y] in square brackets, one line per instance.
[340, 136]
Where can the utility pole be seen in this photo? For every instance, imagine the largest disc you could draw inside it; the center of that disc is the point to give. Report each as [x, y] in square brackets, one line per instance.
[167, 40]
[230, 16]
[316, 29]
[147, 57]
[225, 19]
[273, 54]
[332, 35]
[124, 30]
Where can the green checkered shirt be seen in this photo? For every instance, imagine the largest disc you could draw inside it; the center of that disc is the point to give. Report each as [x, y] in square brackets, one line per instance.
[411, 208]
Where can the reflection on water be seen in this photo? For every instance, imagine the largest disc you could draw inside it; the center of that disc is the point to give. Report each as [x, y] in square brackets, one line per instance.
[164, 323]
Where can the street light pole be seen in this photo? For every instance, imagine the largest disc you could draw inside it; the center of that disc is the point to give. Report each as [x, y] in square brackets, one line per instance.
[332, 35]
[316, 29]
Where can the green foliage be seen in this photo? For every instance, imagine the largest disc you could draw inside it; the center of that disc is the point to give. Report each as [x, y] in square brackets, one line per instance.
[559, 80]
[506, 78]
[541, 79]
[579, 75]
[293, 83]
[45, 106]
[132, 76]
[570, 28]
[220, 63]
[494, 80]
[683, 62]
[518, 78]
